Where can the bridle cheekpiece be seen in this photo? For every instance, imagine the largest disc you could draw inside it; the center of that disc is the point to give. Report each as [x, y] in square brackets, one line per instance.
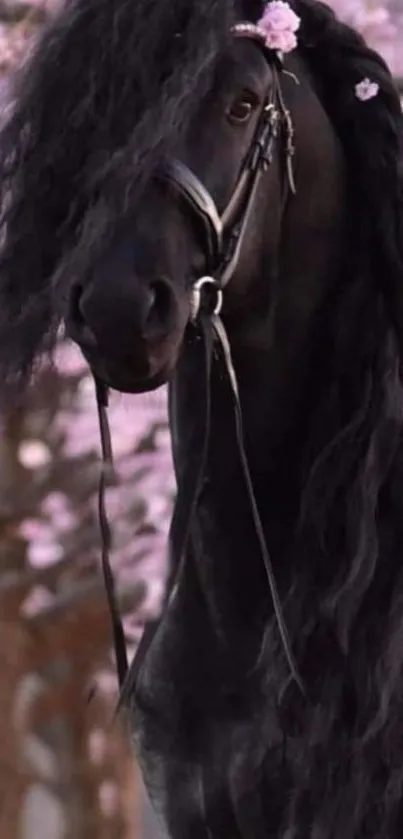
[224, 231]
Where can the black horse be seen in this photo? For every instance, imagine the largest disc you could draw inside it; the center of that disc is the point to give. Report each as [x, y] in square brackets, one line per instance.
[139, 128]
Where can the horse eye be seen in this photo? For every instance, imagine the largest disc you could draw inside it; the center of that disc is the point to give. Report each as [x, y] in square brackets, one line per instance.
[241, 110]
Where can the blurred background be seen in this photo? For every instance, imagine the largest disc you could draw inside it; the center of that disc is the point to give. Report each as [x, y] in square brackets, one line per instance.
[65, 771]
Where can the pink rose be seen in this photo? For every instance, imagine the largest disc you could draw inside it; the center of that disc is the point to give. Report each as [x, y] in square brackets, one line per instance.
[279, 24]
[281, 41]
[279, 17]
[276, 28]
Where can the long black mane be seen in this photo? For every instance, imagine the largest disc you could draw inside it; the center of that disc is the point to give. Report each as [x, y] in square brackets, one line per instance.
[355, 433]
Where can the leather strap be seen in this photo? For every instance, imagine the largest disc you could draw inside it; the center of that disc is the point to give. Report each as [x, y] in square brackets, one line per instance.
[197, 196]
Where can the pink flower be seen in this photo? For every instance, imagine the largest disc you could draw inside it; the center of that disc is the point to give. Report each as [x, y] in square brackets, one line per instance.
[281, 41]
[280, 24]
[279, 17]
[276, 28]
[366, 90]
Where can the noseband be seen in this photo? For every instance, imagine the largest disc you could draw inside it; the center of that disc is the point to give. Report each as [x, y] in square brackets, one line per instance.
[223, 237]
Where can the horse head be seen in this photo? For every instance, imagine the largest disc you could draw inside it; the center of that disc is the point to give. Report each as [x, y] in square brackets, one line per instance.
[233, 201]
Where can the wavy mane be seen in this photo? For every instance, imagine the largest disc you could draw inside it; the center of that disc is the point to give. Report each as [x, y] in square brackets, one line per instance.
[362, 407]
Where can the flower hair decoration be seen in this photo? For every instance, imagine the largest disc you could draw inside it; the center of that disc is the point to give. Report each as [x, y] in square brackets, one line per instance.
[366, 90]
[277, 27]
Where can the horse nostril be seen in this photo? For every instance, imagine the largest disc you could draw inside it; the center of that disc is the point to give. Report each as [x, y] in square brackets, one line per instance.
[78, 327]
[160, 311]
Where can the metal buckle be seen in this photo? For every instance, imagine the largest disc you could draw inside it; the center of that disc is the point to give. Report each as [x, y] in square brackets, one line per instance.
[196, 297]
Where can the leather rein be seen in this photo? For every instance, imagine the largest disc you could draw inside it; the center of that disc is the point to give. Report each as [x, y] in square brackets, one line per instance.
[224, 235]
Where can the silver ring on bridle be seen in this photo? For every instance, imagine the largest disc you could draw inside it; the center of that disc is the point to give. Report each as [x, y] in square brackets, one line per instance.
[196, 297]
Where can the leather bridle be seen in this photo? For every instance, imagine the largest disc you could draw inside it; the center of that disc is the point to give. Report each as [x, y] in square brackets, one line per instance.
[224, 232]
[223, 237]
